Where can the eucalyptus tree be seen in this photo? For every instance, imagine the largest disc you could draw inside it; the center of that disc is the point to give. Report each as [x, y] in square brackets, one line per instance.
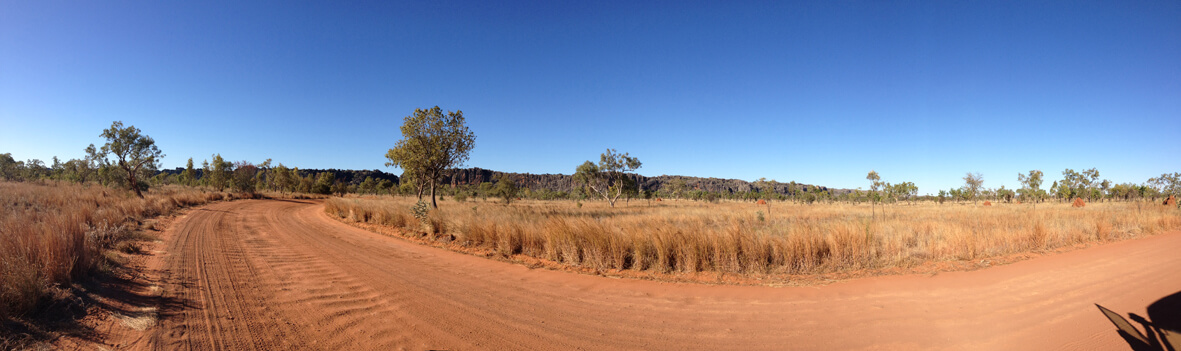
[219, 172]
[505, 188]
[1031, 186]
[874, 184]
[972, 185]
[132, 152]
[189, 174]
[606, 178]
[432, 143]
[1167, 184]
[676, 187]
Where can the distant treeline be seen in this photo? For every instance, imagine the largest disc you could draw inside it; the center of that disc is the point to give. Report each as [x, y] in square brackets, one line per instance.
[466, 183]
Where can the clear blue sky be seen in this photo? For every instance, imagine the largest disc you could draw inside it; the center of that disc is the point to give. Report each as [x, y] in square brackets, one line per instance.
[816, 92]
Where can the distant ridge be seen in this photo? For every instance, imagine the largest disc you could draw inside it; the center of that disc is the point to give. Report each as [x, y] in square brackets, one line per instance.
[555, 182]
[565, 182]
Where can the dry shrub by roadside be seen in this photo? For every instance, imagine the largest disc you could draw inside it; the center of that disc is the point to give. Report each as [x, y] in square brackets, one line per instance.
[52, 233]
[728, 237]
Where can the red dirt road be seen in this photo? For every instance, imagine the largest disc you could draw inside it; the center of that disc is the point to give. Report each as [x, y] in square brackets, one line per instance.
[269, 274]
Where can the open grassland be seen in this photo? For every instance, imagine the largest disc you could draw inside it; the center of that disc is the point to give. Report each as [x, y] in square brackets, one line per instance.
[52, 233]
[730, 237]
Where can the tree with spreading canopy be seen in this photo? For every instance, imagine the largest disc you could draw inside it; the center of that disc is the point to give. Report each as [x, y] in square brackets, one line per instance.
[506, 188]
[606, 179]
[1167, 184]
[432, 143]
[1031, 186]
[9, 167]
[972, 184]
[243, 177]
[133, 152]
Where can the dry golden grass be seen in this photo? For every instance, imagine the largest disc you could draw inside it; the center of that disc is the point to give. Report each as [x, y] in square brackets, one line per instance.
[686, 236]
[52, 233]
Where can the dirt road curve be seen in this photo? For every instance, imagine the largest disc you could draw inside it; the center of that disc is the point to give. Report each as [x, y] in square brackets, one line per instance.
[282, 275]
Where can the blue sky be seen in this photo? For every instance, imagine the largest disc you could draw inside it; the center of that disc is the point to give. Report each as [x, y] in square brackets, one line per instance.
[816, 92]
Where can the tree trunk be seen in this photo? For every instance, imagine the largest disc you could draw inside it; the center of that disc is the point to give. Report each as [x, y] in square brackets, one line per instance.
[131, 178]
[434, 204]
[134, 183]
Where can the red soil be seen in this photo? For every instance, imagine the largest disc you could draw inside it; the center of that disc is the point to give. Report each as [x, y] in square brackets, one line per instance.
[266, 274]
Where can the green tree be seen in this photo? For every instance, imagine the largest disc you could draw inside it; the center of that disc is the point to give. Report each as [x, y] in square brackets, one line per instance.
[219, 173]
[907, 189]
[340, 188]
[264, 178]
[10, 169]
[874, 183]
[431, 144]
[1031, 186]
[324, 183]
[767, 191]
[133, 152]
[972, 184]
[506, 188]
[605, 179]
[306, 183]
[485, 189]
[1165, 185]
[34, 170]
[57, 170]
[187, 176]
[285, 179]
[384, 186]
[1005, 194]
[1091, 183]
[368, 186]
[631, 189]
[677, 187]
[1063, 190]
[243, 179]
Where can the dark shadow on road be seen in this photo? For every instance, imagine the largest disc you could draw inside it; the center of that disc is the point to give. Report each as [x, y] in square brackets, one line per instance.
[1162, 328]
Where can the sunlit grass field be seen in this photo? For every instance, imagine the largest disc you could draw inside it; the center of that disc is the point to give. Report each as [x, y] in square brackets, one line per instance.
[53, 233]
[744, 237]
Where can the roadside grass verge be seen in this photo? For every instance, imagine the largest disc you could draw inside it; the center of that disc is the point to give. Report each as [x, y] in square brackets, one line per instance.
[730, 237]
[53, 234]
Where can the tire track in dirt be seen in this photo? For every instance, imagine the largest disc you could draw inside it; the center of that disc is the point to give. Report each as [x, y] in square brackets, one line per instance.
[280, 275]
